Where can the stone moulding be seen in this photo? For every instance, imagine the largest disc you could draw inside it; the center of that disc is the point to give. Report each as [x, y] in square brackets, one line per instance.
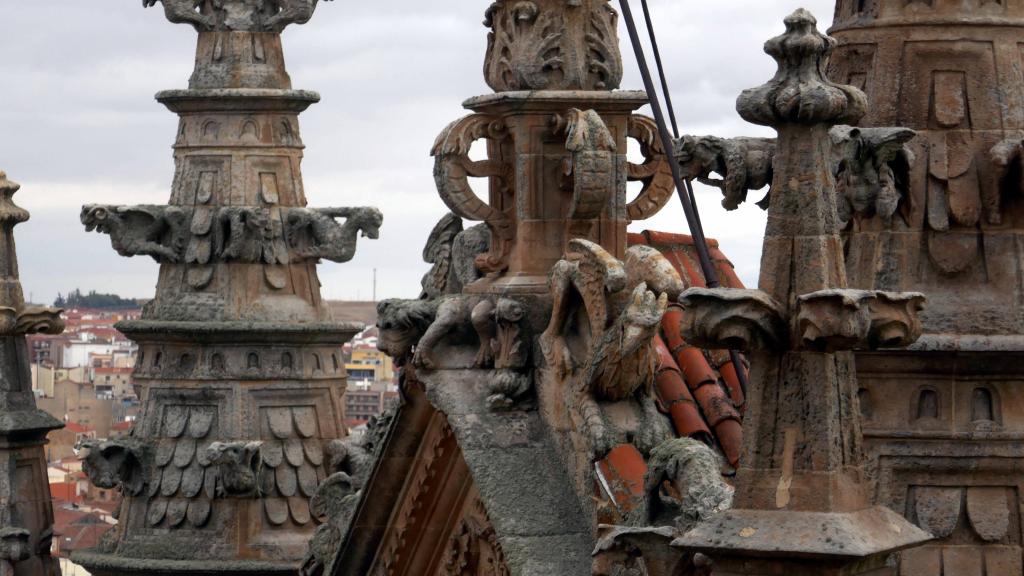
[731, 318]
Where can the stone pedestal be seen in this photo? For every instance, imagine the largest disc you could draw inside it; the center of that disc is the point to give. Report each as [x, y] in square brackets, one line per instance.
[239, 368]
[801, 504]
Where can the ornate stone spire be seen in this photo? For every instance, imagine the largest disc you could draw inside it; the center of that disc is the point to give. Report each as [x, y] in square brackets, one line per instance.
[239, 364]
[801, 502]
[26, 513]
[556, 135]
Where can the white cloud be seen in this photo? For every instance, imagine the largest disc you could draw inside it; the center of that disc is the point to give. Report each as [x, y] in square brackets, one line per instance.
[80, 125]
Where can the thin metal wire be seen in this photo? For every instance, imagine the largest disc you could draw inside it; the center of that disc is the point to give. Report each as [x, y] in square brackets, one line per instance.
[684, 187]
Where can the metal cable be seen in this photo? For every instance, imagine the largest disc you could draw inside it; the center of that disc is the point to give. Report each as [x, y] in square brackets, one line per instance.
[684, 187]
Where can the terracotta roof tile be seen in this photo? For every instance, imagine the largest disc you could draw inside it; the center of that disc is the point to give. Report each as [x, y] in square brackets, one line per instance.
[710, 377]
[623, 472]
[676, 398]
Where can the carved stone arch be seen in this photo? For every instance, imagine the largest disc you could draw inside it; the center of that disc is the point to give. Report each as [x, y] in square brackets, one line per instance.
[985, 406]
[926, 404]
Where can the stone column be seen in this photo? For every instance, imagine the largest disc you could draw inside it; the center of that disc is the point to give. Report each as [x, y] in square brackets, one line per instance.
[801, 503]
[239, 367]
[26, 512]
[556, 134]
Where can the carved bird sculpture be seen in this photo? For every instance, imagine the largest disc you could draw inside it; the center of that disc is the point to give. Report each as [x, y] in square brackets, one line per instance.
[623, 360]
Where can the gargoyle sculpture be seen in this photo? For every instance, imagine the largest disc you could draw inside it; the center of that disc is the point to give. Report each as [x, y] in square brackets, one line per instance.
[290, 12]
[157, 231]
[409, 330]
[185, 12]
[238, 466]
[619, 361]
[350, 463]
[247, 15]
[413, 328]
[872, 167]
[743, 163]
[121, 464]
[249, 235]
[327, 239]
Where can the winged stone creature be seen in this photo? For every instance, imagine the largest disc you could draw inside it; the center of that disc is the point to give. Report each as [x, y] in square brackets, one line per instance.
[623, 303]
[157, 231]
[872, 167]
[185, 12]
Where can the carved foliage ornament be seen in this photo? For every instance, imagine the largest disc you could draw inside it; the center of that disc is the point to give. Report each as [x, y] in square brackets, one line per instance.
[552, 45]
[200, 235]
[474, 550]
[801, 93]
[237, 15]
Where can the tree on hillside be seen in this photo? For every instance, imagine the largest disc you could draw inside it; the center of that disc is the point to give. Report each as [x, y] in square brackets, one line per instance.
[75, 299]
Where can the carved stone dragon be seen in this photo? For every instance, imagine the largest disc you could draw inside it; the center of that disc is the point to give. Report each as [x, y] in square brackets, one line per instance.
[871, 166]
[157, 231]
[327, 239]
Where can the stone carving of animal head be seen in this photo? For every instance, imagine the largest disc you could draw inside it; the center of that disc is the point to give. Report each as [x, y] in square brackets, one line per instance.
[102, 218]
[368, 221]
[239, 465]
[401, 324]
[115, 464]
[698, 156]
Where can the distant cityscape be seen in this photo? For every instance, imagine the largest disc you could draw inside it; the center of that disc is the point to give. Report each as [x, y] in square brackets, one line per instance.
[83, 378]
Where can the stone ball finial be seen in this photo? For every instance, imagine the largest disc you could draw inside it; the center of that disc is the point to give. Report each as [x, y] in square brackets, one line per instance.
[801, 93]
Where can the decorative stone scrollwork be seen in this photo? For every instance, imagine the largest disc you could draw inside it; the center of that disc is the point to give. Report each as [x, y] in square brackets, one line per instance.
[552, 45]
[895, 319]
[474, 549]
[237, 15]
[733, 319]
[655, 173]
[832, 320]
[30, 321]
[452, 170]
[592, 167]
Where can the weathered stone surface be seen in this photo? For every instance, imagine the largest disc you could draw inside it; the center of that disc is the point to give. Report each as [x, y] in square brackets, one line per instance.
[552, 45]
[239, 365]
[26, 512]
[801, 502]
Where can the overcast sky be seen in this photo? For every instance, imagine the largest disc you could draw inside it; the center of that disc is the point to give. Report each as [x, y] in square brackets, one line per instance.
[78, 123]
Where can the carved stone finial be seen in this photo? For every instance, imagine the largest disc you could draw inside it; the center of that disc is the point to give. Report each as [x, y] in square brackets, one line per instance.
[552, 45]
[801, 93]
[9, 213]
[237, 15]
